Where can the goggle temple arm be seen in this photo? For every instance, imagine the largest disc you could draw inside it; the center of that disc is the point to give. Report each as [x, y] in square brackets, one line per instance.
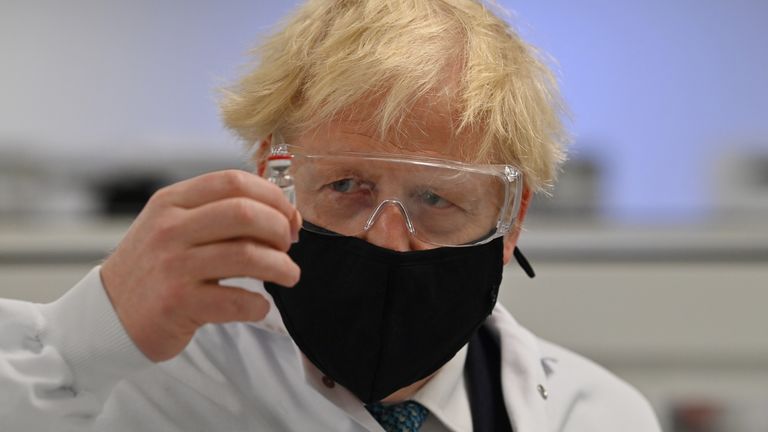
[523, 262]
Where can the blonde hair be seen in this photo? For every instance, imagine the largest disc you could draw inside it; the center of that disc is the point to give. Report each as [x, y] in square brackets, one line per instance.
[333, 54]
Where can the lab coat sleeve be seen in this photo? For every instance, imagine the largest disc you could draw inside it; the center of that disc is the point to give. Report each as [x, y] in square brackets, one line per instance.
[60, 361]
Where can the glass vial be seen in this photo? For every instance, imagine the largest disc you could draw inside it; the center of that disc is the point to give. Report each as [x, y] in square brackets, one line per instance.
[279, 167]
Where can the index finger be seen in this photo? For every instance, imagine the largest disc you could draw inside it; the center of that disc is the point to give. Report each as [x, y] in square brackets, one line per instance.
[220, 185]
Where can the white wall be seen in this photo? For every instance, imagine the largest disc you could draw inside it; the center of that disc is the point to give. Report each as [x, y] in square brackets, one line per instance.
[122, 78]
[659, 90]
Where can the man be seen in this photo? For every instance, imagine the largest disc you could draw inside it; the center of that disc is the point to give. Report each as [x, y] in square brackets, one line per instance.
[412, 135]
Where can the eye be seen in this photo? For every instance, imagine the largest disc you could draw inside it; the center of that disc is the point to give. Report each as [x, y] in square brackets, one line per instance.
[342, 185]
[348, 185]
[434, 200]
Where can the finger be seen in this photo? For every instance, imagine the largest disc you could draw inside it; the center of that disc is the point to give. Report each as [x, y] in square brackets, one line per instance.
[220, 185]
[214, 303]
[242, 258]
[233, 218]
[296, 223]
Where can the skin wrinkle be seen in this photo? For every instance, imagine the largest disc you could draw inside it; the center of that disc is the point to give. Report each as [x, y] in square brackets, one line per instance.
[433, 77]
[389, 230]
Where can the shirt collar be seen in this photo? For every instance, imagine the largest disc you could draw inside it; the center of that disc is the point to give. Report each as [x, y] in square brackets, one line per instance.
[445, 395]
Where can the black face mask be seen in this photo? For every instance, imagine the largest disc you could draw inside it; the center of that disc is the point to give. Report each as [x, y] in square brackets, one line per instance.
[375, 320]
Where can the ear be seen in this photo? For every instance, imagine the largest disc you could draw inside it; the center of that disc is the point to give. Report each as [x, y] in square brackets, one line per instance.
[259, 154]
[510, 240]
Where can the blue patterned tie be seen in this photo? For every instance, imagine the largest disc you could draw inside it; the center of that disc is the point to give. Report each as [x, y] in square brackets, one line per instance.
[403, 417]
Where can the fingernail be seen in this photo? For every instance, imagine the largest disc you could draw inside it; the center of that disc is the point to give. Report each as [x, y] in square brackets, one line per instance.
[297, 223]
[299, 220]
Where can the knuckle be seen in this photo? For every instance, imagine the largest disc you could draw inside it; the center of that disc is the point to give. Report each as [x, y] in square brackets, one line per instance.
[169, 262]
[160, 196]
[243, 210]
[164, 231]
[234, 180]
[247, 251]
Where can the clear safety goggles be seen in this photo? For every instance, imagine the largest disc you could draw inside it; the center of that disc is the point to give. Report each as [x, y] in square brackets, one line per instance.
[443, 203]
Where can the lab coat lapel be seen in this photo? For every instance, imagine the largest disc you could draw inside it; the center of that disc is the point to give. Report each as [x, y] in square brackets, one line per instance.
[522, 373]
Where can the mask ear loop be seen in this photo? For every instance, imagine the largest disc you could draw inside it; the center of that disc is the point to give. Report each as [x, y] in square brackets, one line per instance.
[523, 261]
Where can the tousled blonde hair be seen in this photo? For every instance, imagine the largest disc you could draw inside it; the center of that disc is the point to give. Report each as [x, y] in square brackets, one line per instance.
[333, 54]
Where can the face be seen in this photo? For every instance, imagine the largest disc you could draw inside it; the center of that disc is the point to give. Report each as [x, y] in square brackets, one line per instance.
[430, 135]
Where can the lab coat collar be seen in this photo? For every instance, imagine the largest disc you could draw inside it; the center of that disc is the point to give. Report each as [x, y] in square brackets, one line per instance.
[315, 379]
[524, 380]
[522, 376]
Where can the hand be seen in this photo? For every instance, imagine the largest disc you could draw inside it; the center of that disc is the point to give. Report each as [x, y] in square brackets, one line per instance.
[162, 278]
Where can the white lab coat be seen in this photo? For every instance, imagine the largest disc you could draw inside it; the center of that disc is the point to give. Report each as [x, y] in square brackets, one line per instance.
[70, 366]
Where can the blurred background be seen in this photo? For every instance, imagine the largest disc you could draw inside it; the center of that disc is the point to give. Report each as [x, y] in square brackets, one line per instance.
[651, 254]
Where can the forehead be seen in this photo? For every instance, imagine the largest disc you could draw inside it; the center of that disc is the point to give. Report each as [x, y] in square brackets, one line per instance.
[429, 129]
